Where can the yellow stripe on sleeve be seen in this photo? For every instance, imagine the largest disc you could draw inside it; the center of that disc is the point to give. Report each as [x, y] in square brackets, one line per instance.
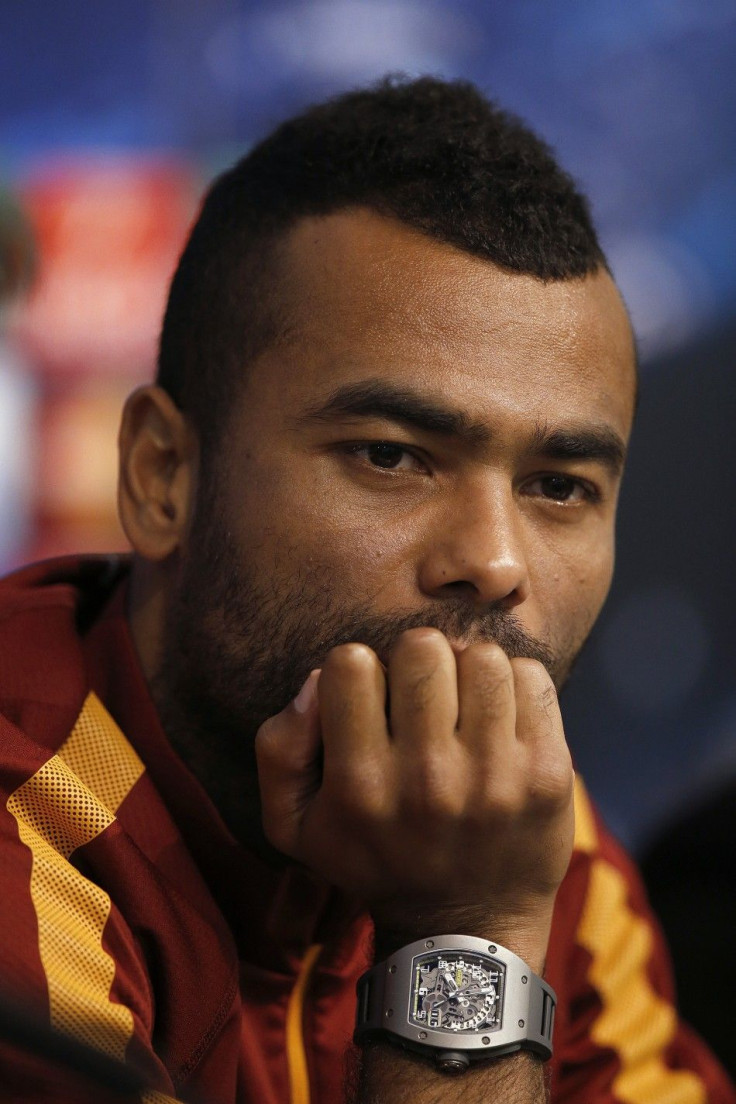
[586, 836]
[69, 801]
[100, 756]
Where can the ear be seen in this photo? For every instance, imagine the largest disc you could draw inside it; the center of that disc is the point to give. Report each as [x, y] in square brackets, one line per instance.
[158, 458]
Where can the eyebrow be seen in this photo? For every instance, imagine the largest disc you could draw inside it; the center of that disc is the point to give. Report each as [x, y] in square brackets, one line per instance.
[381, 399]
[598, 443]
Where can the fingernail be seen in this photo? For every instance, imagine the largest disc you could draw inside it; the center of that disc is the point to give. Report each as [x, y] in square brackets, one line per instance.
[308, 693]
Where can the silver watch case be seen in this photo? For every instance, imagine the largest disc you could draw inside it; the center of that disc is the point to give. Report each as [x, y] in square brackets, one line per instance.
[523, 1018]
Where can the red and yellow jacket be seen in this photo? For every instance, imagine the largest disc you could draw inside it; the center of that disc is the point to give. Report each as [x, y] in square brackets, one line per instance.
[131, 920]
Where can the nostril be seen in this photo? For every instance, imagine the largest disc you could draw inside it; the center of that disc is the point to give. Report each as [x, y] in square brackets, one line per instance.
[461, 586]
[476, 567]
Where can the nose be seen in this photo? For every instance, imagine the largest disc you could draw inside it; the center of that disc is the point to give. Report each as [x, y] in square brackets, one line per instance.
[478, 547]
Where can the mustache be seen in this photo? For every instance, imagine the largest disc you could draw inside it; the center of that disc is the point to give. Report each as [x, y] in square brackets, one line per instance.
[455, 620]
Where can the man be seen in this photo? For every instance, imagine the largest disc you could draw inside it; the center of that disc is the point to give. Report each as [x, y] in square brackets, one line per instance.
[371, 501]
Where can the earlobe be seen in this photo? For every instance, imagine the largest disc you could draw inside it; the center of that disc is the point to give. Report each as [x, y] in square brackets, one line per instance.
[157, 471]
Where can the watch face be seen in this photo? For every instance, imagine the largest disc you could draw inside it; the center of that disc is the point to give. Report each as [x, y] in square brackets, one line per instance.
[456, 991]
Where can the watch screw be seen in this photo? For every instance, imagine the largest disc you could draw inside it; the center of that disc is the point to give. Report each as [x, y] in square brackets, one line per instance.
[452, 1061]
[429, 944]
[389, 1013]
[524, 979]
[485, 1040]
[521, 1023]
[492, 948]
[422, 1034]
[392, 969]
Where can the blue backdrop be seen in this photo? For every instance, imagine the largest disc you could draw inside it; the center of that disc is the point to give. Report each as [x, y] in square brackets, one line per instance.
[639, 100]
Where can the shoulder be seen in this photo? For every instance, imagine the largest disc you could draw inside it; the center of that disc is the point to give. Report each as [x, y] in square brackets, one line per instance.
[619, 1031]
[43, 608]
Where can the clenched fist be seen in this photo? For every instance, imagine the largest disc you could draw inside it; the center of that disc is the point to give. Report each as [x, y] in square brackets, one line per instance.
[438, 791]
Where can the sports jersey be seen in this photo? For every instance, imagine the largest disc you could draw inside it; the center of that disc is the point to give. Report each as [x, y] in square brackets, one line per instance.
[133, 921]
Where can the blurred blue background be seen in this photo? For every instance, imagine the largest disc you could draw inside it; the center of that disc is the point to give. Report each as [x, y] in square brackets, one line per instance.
[639, 101]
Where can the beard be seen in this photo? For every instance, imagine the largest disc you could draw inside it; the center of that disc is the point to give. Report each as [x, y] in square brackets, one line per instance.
[239, 643]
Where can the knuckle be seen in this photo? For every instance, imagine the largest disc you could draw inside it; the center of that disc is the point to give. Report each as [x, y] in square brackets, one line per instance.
[425, 635]
[414, 646]
[548, 699]
[486, 673]
[435, 792]
[499, 793]
[268, 743]
[491, 690]
[358, 791]
[349, 659]
[488, 654]
[504, 803]
[420, 689]
[486, 661]
[533, 679]
[549, 694]
[530, 671]
[551, 786]
[416, 665]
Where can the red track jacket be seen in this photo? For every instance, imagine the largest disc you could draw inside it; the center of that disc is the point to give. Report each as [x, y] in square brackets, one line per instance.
[131, 920]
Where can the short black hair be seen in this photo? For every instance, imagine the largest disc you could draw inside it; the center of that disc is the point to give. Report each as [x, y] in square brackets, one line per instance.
[435, 154]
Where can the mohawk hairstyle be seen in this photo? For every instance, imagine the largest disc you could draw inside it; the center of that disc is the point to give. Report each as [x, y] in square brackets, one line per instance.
[437, 155]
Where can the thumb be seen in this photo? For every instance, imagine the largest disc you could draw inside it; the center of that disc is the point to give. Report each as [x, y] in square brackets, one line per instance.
[289, 758]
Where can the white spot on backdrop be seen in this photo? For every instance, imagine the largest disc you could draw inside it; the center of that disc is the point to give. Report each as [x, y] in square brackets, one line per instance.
[336, 40]
[16, 414]
[666, 288]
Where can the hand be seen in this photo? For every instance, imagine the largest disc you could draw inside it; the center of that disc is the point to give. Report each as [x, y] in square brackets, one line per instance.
[453, 812]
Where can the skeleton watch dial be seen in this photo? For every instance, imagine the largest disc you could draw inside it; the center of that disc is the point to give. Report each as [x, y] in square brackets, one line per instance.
[456, 991]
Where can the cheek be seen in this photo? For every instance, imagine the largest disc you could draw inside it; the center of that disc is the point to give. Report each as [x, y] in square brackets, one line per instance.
[571, 585]
[586, 591]
[298, 525]
[364, 555]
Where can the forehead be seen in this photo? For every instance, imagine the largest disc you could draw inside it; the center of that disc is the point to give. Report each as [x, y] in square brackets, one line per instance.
[366, 296]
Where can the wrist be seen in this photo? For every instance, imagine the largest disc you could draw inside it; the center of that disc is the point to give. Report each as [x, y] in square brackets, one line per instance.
[456, 999]
[527, 935]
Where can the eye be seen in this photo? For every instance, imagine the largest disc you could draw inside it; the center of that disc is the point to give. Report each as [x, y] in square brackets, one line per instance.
[387, 455]
[562, 488]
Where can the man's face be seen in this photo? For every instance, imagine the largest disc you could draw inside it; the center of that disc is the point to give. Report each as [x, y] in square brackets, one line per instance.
[436, 442]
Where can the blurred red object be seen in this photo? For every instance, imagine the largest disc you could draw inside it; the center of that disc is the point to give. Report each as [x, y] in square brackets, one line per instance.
[75, 495]
[108, 233]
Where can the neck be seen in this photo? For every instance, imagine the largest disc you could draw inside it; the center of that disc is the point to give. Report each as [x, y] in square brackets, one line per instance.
[147, 613]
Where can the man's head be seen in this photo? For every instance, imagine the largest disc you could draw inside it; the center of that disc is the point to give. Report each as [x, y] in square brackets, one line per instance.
[436, 156]
[398, 405]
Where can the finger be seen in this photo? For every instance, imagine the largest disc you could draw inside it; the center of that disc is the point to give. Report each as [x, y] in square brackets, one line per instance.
[352, 705]
[487, 722]
[538, 715]
[423, 690]
[539, 728]
[288, 755]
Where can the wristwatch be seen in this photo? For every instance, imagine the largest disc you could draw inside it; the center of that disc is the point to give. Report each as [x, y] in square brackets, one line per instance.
[456, 999]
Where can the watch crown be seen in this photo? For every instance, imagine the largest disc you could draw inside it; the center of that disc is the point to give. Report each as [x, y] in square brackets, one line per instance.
[452, 1061]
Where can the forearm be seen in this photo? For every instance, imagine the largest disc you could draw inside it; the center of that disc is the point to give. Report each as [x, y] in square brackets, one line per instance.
[388, 1074]
[452, 804]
